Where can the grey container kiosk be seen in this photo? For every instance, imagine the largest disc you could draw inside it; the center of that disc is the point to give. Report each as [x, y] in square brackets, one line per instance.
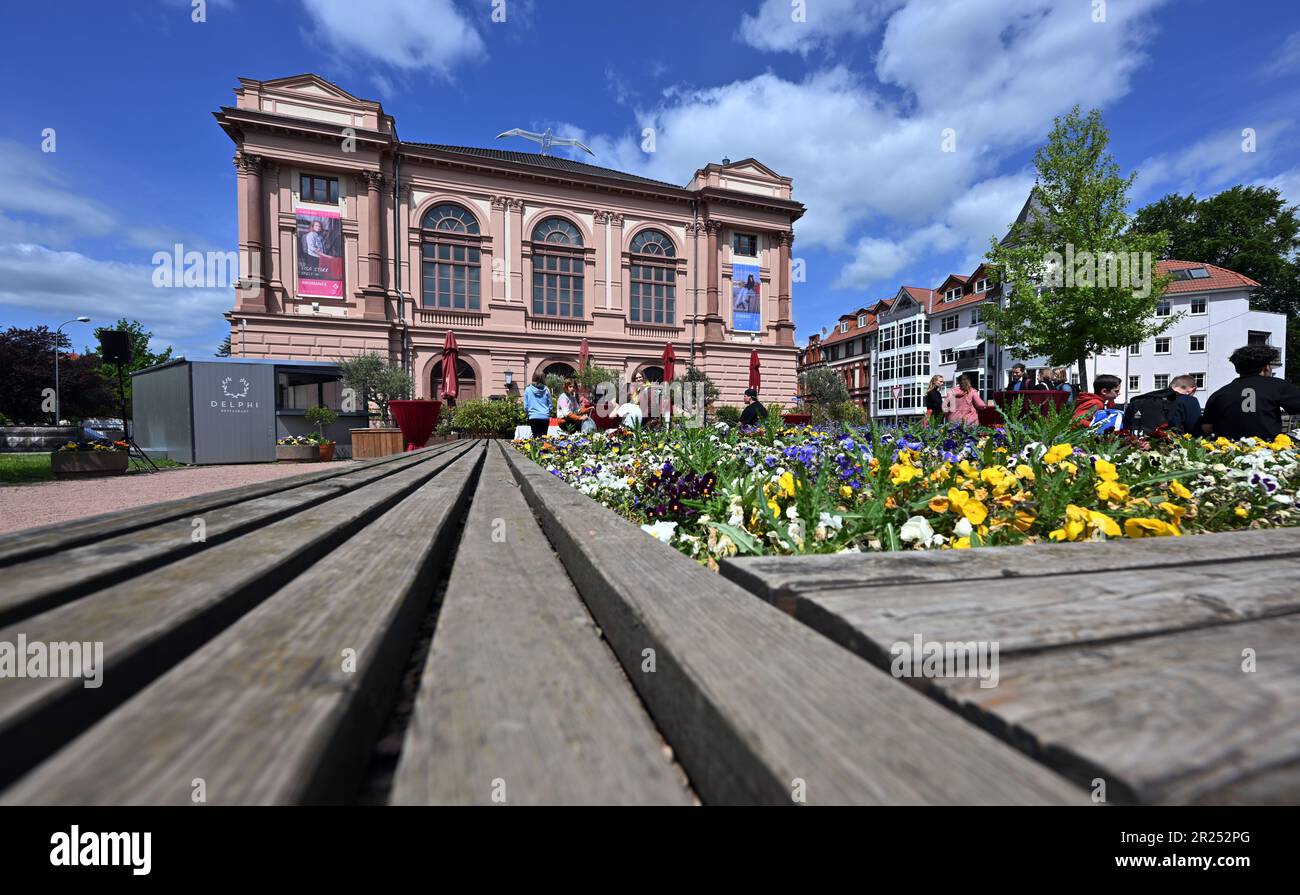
[232, 410]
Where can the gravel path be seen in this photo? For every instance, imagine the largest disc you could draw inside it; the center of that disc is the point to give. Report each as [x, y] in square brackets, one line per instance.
[45, 503]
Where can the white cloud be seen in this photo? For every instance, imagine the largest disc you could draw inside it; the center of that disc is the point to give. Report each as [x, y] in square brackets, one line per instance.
[1216, 160]
[408, 35]
[1288, 57]
[1287, 183]
[862, 153]
[66, 284]
[984, 211]
[777, 25]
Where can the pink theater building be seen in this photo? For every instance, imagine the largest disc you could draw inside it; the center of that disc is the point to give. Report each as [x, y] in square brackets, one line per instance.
[352, 239]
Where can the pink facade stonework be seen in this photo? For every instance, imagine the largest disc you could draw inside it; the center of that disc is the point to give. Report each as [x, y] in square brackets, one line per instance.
[522, 255]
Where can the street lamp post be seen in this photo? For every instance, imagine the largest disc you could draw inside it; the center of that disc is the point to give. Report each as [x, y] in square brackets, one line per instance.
[57, 333]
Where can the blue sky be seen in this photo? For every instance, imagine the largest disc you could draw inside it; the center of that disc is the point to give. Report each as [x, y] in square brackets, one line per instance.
[851, 102]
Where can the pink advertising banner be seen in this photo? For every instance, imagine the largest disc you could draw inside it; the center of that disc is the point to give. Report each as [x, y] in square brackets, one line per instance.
[320, 253]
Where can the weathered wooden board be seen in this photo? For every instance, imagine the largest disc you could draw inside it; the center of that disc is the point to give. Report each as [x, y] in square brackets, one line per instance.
[1169, 719]
[520, 701]
[1025, 613]
[33, 542]
[39, 584]
[777, 580]
[266, 712]
[755, 704]
[149, 623]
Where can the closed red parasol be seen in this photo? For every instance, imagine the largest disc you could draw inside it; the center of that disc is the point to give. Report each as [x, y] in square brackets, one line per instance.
[669, 359]
[450, 386]
[755, 377]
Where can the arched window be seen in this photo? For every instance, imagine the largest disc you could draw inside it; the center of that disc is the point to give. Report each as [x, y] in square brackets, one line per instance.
[557, 269]
[450, 258]
[654, 276]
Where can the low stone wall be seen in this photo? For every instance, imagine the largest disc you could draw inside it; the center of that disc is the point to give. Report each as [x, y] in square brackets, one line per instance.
[35, 439]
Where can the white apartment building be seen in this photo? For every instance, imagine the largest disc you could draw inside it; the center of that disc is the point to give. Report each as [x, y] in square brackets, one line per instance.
[901, 355]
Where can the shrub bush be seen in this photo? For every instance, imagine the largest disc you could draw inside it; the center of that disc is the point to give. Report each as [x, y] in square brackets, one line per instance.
[483, 416]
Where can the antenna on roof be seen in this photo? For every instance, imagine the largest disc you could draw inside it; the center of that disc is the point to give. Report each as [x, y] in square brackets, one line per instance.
[547, 140]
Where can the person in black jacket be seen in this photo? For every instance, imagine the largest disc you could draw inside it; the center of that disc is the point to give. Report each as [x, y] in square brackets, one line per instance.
[754, 414]
[1185, 387]
[1251, 405]
[934, 400]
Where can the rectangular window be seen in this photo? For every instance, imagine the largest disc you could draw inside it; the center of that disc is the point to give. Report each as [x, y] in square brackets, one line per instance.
[946, 356]
[1255, 337]
[1163, 308]
[1162, 345]
[744, 244]
[1198, 306]
[1200, 379]
[887, 338]
[886, 369]
[862, 320]
[1134, 350]
[981, 286]
[557, 285]
[1134, 383]
[1162, 380]
[885, 398]
[844, 327]
[313, 188]
[952, 294]
[1196, 344]
[975, 317]
[450, 276]
[948, 324]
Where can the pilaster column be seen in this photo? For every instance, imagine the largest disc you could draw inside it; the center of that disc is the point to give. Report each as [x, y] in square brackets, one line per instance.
[375, 300]
[500, 262]
[713, 322]
[616, 260]
[520, 280]
[252, 292]
[784, 325]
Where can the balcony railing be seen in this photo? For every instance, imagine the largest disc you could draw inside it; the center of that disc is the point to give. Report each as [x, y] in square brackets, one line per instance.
[558, 325]
[444, 317]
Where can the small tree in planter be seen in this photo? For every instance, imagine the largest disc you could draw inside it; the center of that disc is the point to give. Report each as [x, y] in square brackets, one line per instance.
[373, 379]
[320, 417]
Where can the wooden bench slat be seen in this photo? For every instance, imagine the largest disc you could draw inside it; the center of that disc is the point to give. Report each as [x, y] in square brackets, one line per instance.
[1172, 719]
[34, 542]
[518, 687]
[776, 579]
[151, 622]
[750, 699]
[265, 713]
[39, 584]
[1025, 614]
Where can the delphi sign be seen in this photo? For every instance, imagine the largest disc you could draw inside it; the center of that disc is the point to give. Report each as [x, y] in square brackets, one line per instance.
[236, 396]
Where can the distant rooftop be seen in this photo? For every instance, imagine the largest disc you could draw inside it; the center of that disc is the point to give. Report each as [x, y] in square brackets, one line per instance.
[537, 160]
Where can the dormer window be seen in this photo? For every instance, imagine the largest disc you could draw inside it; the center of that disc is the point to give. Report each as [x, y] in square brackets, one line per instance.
[952, 294]
[862, 320]
[981, 286]
[844, 327]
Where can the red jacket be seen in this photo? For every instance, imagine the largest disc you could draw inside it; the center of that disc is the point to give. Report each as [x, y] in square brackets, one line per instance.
[1088, 404]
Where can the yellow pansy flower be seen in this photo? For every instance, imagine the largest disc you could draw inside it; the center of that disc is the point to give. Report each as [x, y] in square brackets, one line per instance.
[961, 543]
[1106, 471]
[1282, 442]
[1024, 520]
[846, 491]
[900, 474]
[939, 504]
[1150, 528]
[1242, 512]
[787, 484]
[975, 511]
[776, 510]
[1058, 453]
[1174, 511]
[1179, 490]
[1025, 472]
[1112, 491]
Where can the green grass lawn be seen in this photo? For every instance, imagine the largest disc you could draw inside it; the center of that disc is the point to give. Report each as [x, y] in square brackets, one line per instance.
[21, 469]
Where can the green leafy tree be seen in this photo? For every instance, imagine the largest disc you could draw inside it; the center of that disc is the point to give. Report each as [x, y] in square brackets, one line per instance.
[142, 356]
[823, 386]
[1247, 229]
[1063, 311]
[27, 371]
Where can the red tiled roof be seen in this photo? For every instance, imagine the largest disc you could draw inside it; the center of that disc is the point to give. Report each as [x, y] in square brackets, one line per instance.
[1220, 278]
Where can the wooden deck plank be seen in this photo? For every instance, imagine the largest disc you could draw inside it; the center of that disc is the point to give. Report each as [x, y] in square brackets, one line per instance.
[1172, 719]
[518, 686]
[752, 701]
[265, 713]
[1026, 614]
[31, 543]
[39, 584]
[151, 622]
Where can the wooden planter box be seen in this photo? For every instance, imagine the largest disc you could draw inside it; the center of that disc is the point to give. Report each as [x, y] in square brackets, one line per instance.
[75, 463]
[367, 443]
[297, 453]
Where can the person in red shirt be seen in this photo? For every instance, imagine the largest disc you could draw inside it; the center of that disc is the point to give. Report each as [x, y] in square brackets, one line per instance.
[1105, 389]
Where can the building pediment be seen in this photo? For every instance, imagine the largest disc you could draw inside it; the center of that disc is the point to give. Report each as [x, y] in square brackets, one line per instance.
[312, 85]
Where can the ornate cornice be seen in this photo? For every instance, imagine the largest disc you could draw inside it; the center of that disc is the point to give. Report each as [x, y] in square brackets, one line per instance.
[249, 163]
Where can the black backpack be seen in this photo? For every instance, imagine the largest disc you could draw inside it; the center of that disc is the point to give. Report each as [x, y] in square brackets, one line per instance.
[1147, 412]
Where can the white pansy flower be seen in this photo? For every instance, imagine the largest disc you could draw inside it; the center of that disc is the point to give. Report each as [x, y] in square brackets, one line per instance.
[963, 528]
[664, 531]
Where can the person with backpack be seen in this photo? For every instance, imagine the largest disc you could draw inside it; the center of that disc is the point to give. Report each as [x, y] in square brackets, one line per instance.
[1149, 411]
[1252, 404]
[1186, 387]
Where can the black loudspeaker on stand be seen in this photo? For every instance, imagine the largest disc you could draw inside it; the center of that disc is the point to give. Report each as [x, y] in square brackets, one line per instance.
[115, 348]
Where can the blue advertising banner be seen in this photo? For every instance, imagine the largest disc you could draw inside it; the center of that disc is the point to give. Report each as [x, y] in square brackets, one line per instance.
[746, 311]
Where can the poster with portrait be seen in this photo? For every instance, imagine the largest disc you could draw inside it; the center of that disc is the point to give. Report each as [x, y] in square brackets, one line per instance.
[320, 253]
[746, 312]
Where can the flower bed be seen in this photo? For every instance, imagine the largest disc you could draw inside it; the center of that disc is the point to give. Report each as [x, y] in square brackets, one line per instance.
[721, 492]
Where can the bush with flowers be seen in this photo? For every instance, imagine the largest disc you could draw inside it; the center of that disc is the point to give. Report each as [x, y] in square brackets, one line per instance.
[722, 491]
